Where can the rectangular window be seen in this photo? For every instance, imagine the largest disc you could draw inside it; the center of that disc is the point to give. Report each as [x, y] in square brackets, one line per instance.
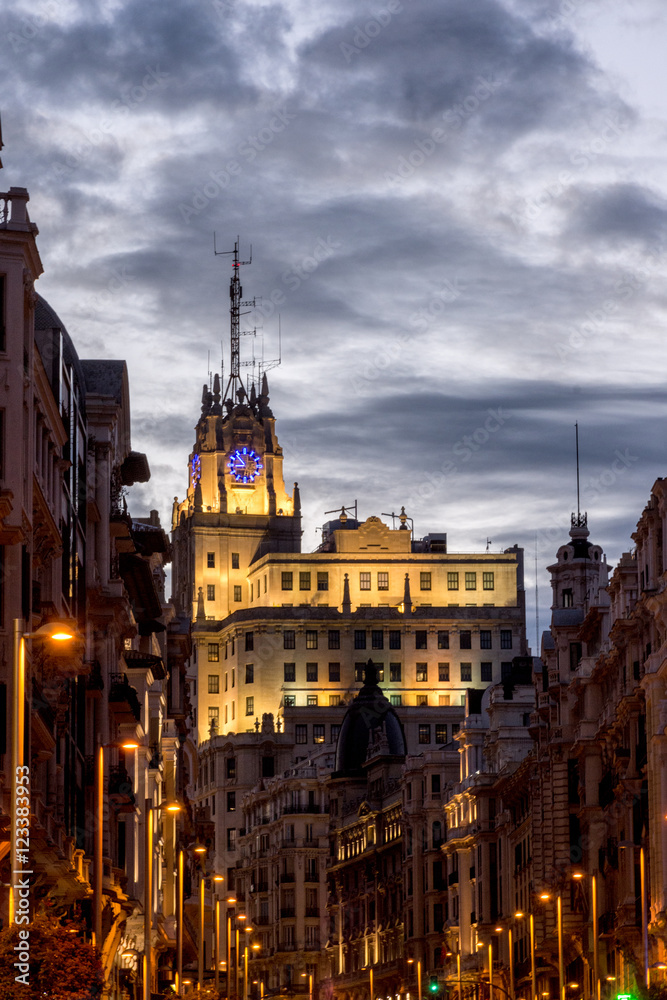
[231, 768]
[214, 683]
[289, 671]
[394, 672]
[286, 578]
[210, 560]
[3, 338]
[249, 673]
[424, 733]
[383, 581]
[359, 672]
[289, 700]
[465, 639]
[311, 672]
[359, 638]
[422, 699]
[485, 638]
[210, 591]
[394, 639]
[334, 699]
[304, 581]
[452, 581]
[231, 802]
[322, 581]
[213, 715]
[505, 638]
[311, 699]
[213, 652]
[471, 581]
[377, 638]
[444, 699]
[334, 671]
[335, 729]
[289, 638]
[424, 581]
[486, 672]
[395, 699]
[233, 676]
[466, 671]
[443, 639]
[443, 672]
[334, 638]
[422, 672]
[421, 638]
[238, 594]
[301, 733]
[235, 560]
[268, 767]
[231, 839]
[250, 706]
[318, 733]
[364, 581]
[488, 582]
[311, 639]
[249, 641]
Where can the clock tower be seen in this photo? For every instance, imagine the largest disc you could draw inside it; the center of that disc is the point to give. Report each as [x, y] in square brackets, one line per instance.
[236, 508]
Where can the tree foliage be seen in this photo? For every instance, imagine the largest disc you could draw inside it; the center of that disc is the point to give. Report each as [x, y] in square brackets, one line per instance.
[62, 965]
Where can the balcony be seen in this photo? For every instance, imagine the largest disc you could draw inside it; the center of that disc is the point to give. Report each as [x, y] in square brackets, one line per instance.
[262, 921]
[453, 878]
[287, 911]
[312, 911]
[287, 877]
[123, 699]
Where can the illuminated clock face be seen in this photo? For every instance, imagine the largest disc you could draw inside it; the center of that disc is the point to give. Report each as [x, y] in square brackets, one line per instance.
[195, 469]
[245, 465]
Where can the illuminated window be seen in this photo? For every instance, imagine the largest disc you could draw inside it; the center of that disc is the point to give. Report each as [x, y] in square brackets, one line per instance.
[322, 581]
[359, 672]
[318, 733]
[441, 729]
[334, 699]
[424, 581]
[424, 733]
[394, 671]
[214, 683]
[488, 582]
[471, 581]
[422, 672]
[443, 639]
[311, 699]
[304, 581]
[395, 699]
[311, 639]
[383, 581]
[422, 699]
[289, 700]
[250, 706]
[213, 652]
[452, 581]
[364, 581]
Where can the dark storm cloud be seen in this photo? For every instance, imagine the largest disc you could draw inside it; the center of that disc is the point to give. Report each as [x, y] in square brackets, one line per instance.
[619, 213]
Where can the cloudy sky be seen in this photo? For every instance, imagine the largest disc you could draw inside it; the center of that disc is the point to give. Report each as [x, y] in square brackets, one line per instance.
[457, 207]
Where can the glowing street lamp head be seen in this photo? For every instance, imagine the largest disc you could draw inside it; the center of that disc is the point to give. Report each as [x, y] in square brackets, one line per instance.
[231, 900]
[173, 807]
[200, 849]
[577, 875]
[129, 745]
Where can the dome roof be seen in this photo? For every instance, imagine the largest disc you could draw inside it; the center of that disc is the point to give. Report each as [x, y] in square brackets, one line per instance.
[369, 714]
[47, 322]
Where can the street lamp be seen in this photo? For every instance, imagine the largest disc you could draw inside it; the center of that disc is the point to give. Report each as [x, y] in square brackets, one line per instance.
[310, 982]
[231, 902]
[642, 888]
[59, 632]
[419, 977]
[577, 876]
[559, 922]
[217, 879]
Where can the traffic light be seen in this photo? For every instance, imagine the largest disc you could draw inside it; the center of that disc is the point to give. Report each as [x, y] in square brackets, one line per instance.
[433, 985]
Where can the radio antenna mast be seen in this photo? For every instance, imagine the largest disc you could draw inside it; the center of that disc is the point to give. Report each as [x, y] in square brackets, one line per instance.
[235, 388]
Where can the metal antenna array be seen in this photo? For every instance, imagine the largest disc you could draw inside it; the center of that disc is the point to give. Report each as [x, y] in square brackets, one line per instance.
[234, 383]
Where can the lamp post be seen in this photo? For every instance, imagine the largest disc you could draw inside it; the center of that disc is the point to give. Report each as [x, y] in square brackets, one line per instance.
[201, 850]
[309, 976]
[231, 901]
[577, 876]
[179, 920]
[490, 970]
[58, 632]
[217, 879]
[623, 845]
[419, 976]
[248, 930]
